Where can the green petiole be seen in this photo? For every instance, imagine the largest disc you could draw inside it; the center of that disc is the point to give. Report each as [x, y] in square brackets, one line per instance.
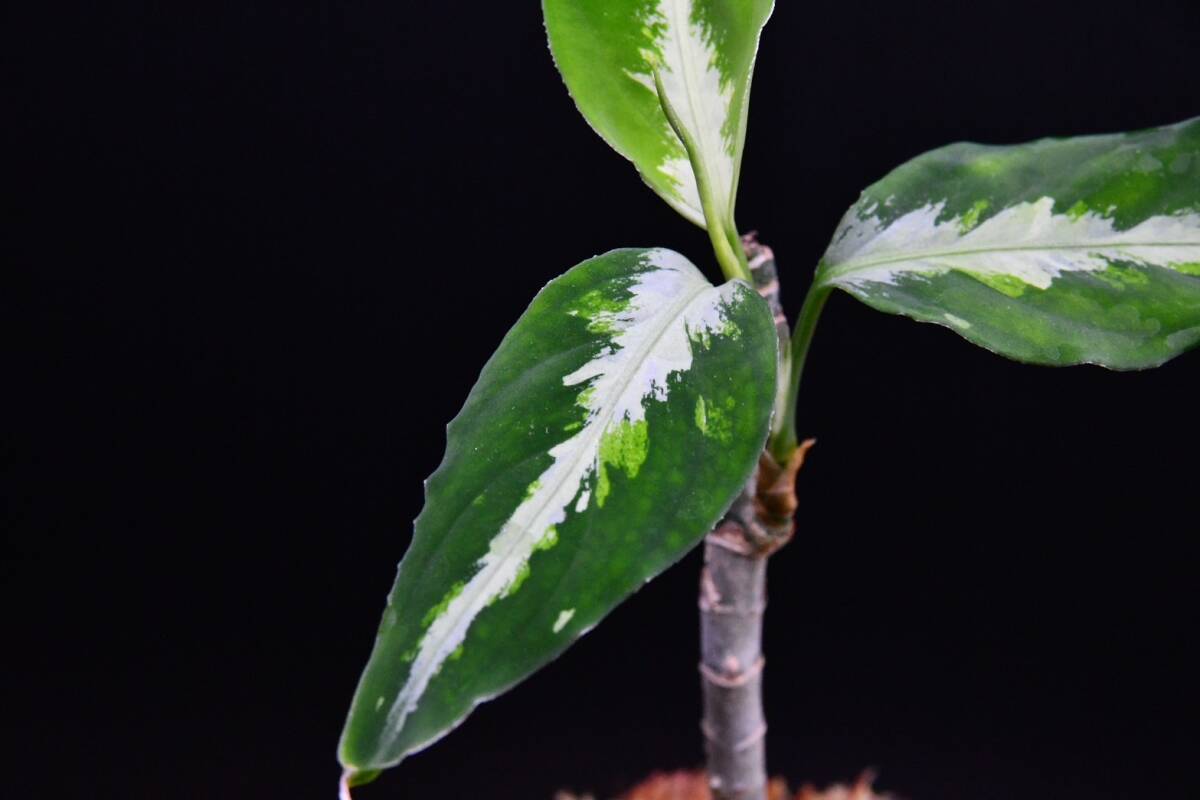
[722, 235]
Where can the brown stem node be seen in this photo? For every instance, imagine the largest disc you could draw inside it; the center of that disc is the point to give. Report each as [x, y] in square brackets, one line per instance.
[775, 496]
[733, 679]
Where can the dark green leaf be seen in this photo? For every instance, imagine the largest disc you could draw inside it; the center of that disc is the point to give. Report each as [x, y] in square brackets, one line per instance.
[1060, 251]
[703, 50]
[611, 429]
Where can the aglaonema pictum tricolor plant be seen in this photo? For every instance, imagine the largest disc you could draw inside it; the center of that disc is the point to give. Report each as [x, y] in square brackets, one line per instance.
[636, 409]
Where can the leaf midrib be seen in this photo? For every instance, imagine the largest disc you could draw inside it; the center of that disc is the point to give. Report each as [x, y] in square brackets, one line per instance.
[699, 130]
[833, 273]
[590, 445]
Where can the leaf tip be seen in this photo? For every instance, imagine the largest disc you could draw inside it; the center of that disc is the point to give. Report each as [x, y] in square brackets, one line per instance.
[352, 777]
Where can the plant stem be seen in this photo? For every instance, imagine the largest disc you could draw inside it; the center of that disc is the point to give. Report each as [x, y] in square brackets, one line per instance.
[733, 594]
[733, 597]
[783, 441]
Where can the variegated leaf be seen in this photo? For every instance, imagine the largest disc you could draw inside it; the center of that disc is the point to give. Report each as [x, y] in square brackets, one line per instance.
[703, 50]
[608, 433]
[1060, 251]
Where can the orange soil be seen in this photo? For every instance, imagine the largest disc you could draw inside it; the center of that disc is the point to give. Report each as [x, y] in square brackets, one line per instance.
[693, 785]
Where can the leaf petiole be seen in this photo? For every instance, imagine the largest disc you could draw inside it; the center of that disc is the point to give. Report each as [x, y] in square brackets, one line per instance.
[721, 233]
[783, 440]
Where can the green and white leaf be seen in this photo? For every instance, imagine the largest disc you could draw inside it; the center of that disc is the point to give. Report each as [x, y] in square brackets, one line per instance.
[605, 437]
[703, 50]
[1060, 251]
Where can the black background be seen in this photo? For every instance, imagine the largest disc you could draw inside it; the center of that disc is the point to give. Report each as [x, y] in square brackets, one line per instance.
[261, 251]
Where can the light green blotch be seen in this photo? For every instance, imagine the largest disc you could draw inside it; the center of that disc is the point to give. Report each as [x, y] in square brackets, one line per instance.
[714, 421]
[1120, 277]
[548, 540]
[515, 584]
[597, 302]
[970, 218]
[458, 653]
[598, 309]
[410, 655]
[602, 326]
[623, 446]
[584, 398]
[1078, 210]
[563, 618]
[703, 337]
[989, 166]
[441, 607]
[532, 489]
[1187, 268]
[1009, 285]
[479, 498]
[582, 401]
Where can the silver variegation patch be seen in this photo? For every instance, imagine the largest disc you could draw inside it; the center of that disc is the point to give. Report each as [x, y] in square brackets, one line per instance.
[684, 50]
[1026, 242]
[671, 309]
